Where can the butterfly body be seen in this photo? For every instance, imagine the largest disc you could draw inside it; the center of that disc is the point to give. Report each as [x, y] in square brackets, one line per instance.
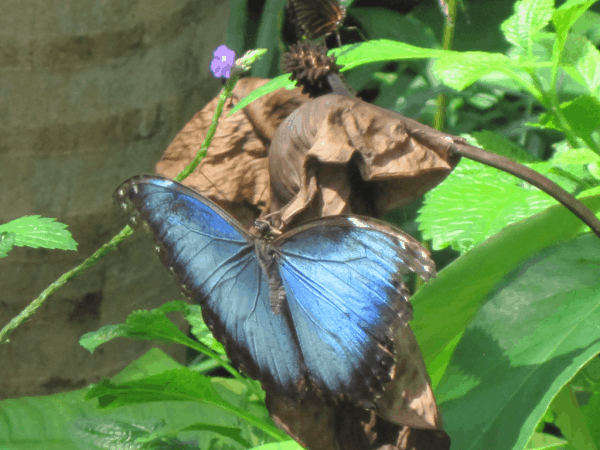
[314, 308]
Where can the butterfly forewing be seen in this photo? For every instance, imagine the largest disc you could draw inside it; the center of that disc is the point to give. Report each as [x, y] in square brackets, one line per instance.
[214, 260]
[318, 18]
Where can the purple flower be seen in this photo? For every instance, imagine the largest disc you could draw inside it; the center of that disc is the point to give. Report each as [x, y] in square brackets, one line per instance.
[224, 58]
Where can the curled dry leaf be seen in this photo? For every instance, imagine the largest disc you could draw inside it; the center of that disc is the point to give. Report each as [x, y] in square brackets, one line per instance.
[235, 171]
[340, 155]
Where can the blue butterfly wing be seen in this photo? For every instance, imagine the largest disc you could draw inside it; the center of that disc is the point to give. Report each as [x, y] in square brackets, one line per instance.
[346, 300]
[214, 261]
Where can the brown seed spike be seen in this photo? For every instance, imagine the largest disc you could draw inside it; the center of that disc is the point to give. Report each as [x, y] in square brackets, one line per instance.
[311, 68]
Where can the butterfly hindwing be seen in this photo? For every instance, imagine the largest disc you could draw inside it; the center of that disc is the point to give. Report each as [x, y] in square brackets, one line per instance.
[214, 261]
[341, 277]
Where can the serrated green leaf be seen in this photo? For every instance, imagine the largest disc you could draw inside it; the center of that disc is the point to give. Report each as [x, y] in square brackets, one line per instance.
[474, 203]
[536, 329]
[36, 231]
[103, 433]
[581, 60]
[460, 70]
[530, 17]
[7, 241]
[146, 325]
[173, 385]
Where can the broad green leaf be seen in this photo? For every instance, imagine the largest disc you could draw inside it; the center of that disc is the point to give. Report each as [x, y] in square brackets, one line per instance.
[530, 17]
[36, 231]
[536, 329]
[455, 296]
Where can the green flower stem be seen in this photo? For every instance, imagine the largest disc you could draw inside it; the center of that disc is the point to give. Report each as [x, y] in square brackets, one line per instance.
[449, 27]
[34, 305]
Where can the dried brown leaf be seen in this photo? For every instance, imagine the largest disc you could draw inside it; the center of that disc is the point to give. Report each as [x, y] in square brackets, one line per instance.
[337, 154]
[235, 171]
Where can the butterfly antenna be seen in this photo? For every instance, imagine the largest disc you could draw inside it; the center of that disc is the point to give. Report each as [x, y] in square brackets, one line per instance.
[215, 186]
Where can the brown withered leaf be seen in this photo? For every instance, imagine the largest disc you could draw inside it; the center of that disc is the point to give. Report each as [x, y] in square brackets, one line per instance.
[235, 171]
[340, 155]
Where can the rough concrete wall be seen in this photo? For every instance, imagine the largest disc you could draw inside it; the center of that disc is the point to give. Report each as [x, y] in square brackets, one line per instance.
[91, 92]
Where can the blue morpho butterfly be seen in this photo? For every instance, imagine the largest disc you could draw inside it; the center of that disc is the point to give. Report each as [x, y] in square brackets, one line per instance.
[316, 307]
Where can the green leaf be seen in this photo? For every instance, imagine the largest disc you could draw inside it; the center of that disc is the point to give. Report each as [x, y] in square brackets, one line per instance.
[36, 231]
[591, 413]
[460, 70]
[581, 60]
[474, 203]
[287, 445]
[146, 325]
[541, 441]
[570, 419]
[583, 115]
[530, 17]
[282, 81]
[460, 288]
[99, 433]
[577, 156]
[56, 422]
[354, 55]
[501, 145]
[536, 329]
[568, 13]
[7, 241]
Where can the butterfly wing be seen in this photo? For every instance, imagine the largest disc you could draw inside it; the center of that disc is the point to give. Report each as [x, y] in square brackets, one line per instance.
[318, 18]
[214, 261]
[342, 281]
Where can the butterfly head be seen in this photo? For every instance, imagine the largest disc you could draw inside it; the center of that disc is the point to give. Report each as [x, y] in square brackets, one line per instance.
[265, 230]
